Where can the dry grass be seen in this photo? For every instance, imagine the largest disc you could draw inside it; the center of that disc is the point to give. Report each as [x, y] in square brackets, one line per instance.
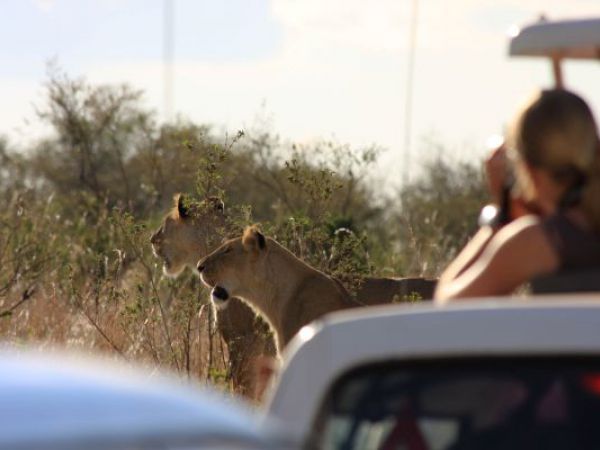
[76, 268]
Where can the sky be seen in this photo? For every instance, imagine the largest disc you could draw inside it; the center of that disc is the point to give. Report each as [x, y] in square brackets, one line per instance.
[306, 69]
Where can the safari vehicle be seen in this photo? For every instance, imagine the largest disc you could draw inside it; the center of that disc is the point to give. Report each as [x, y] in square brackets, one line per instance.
[484, 375]
[493, 375]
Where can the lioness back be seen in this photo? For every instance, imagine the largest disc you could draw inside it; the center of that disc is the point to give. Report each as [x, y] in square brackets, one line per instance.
[318, 295]
[377, 291]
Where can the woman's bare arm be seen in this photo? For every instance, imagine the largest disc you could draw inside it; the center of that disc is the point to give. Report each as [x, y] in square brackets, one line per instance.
[468, 255]
[514, 255]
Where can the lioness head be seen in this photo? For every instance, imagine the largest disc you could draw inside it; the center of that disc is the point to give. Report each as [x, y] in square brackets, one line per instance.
[186, 234]
[233, 266]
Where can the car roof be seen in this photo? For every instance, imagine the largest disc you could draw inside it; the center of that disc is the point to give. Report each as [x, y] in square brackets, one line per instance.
[343, 341]
[564, 39]
[63, 402]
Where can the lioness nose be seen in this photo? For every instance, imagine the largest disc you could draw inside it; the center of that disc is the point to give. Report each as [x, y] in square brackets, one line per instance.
[154, 238]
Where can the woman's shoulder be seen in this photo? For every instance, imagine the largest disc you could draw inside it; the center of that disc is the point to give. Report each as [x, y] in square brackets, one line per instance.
[557, 238]
[522, 229]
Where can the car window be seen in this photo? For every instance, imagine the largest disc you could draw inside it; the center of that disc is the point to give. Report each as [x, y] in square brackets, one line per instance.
[482, 403]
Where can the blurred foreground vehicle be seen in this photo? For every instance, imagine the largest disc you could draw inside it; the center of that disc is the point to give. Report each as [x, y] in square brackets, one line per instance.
[59, 402]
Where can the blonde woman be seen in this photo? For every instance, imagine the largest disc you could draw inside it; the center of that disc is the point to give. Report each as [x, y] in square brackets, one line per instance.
[553, 224]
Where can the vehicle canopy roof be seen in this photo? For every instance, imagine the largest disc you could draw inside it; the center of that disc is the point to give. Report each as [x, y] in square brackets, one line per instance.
[578, 39]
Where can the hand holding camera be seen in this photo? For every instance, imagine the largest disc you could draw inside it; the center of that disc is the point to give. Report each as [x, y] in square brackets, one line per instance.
[499, 176]
[509, 204]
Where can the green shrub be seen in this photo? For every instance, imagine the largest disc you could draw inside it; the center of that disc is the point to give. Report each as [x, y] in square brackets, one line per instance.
[78, 208]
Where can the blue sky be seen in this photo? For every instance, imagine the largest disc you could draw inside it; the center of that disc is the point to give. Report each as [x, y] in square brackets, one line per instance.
[82, 32]
[306, 68]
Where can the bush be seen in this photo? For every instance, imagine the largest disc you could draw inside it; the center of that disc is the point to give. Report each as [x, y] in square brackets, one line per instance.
[437, 216]
[78, 209]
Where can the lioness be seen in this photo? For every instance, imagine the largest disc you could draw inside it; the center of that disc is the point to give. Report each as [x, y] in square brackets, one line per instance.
[286, 291]
[187, 234]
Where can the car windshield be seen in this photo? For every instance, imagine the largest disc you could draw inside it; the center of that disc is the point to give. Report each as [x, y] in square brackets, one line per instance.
[468, 404]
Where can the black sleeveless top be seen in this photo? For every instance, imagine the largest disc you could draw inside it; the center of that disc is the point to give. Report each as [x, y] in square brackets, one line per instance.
[576, 248]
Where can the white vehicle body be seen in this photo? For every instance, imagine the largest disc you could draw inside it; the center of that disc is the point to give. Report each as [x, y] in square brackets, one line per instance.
[325, 351]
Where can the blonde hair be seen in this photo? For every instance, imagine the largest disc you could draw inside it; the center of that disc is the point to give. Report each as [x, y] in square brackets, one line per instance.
[556, 131]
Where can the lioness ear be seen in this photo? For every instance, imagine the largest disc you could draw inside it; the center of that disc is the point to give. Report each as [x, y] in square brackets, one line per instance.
[253, 240]
[182, 209]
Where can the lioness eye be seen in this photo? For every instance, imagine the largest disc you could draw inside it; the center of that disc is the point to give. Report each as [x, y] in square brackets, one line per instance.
[226, 250]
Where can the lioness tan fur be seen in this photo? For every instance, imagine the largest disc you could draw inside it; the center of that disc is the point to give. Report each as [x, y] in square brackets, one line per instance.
[186, 235]
[287, 292]
[284, 290]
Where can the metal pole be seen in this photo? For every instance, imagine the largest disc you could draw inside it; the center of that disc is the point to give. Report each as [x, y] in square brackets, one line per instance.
[557, 71]
[168, 46]
[412, 44]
